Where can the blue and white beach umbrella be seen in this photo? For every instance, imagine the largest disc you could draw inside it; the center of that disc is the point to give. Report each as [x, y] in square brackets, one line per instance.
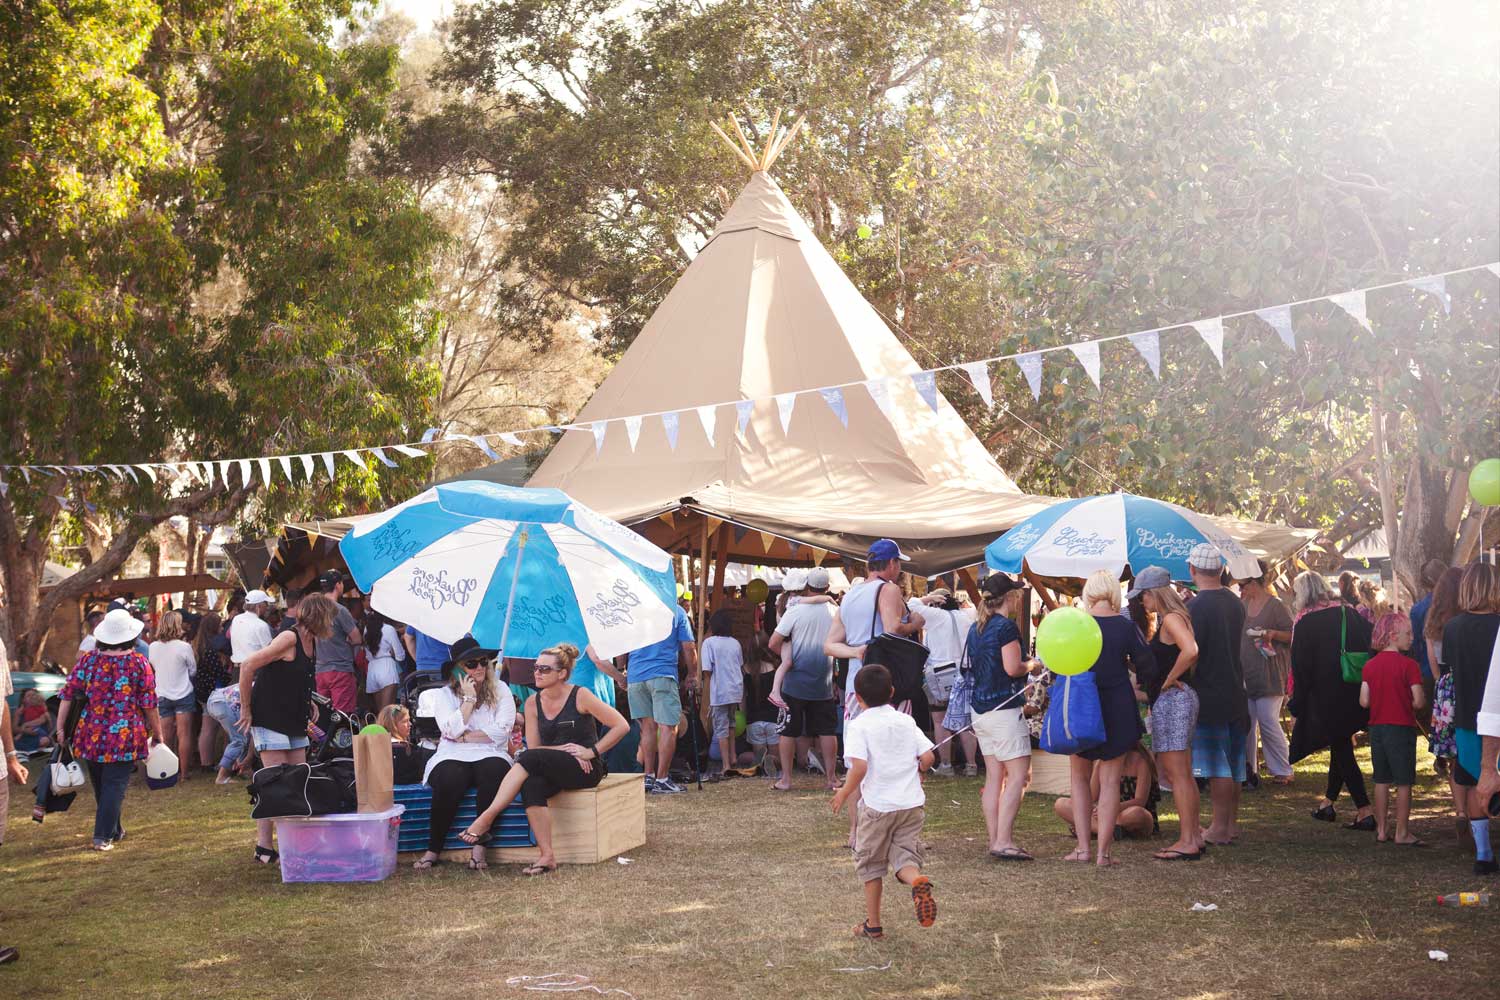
[1074, 538]
[518, 569]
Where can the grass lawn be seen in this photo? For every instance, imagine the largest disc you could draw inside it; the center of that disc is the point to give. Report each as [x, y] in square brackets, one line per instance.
[744, 893]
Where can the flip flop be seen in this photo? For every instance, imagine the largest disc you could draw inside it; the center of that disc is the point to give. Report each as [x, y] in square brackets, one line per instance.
[426, 864]
[1171, 855]
[478, 866]
[1011, 854]
[470, 837]
[1410, 843]
[531, 871]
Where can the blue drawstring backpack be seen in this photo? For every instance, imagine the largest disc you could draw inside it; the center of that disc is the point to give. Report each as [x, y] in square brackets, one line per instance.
[1074, 720]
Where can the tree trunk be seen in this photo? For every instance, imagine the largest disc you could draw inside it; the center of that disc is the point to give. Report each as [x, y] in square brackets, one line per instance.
[1425, 531]
[1399, 580]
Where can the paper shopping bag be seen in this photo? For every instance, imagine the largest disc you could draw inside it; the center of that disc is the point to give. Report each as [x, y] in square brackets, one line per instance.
[372, 772]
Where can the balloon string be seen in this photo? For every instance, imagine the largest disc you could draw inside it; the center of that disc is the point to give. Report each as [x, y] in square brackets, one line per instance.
[1030, 684]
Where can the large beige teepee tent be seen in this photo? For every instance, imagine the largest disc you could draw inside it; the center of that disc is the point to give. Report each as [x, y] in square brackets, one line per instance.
[761, 311]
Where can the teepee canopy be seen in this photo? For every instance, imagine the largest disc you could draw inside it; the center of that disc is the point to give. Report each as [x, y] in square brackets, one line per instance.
[764, 310]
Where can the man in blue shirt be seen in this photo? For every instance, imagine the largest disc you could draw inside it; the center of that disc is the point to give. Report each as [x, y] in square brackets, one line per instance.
[651, 676]
[426, 652]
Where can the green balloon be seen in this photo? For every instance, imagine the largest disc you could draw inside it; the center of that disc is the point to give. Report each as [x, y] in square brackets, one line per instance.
[1484, 482]
[740, 722]
[1068, 641]
[864, 232]
[373, 729]
[757, 590]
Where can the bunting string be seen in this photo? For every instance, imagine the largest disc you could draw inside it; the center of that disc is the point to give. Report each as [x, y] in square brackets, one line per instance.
[1147, 344]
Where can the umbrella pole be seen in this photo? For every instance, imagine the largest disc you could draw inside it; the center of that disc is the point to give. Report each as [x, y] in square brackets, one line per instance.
[510, 600]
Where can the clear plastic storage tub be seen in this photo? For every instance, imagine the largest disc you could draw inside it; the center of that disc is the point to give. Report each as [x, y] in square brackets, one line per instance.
[341, 847]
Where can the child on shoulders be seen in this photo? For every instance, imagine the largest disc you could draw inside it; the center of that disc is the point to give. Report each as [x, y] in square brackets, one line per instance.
[1391, 688]
[886, 754]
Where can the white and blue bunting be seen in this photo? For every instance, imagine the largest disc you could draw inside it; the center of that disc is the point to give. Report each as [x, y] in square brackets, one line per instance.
[240, 473]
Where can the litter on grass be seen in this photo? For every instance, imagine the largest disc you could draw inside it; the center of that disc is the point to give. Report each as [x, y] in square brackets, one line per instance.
[866, 968]
[1437, 955]
[1204, 907]
[625, 861]
[563, 982]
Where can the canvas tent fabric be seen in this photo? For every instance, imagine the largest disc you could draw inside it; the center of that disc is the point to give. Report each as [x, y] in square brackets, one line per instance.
[763, 309]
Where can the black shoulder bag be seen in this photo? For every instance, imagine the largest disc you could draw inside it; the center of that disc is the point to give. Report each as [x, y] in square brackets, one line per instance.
[905, 658]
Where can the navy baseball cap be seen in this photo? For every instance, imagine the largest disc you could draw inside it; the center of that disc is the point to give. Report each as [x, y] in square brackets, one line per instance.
[884, 549]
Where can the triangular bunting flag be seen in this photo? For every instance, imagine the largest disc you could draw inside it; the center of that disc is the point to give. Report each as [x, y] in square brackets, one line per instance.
[327, 458]
[1435, 286]
[1279, 318]
[385, 459]
[265, 470]
[739, 531]
[707, 415]
[307, 466]
[245, 473]
[1087, 354]
[1148, 344]
[633, 430]
[511, 439]
[285, 461]
[356, 458]
[149, 471]
[818, 555]
[26, 473]
[795, 547]
[926, 385]
[834, 397]
[1493, 269]
[670, 517]
[1353, 303]
[742, 414]
[784, 403]
[430, 435]
[881, 394]
[599, 428]
[1031, 366]
[224, 473]
[669, 426]
[1212, 332]
[766, 540]
[714, 523]
[406, 450]
[979, 374]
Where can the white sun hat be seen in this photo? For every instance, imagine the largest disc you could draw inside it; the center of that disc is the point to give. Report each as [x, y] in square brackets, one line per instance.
[118, 626]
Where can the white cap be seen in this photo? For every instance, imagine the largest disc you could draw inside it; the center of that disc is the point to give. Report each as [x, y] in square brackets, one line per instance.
[1206, 557]
[795, 579]
[257, 597]
[118, 626]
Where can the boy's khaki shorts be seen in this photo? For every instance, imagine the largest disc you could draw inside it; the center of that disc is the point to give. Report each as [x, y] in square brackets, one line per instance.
[887, 841]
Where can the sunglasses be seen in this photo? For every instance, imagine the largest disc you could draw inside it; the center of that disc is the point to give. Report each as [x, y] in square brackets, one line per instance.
[542, 668]
[475, 664]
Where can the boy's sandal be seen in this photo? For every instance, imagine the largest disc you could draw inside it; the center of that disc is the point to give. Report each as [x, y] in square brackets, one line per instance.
[864, 930]
[266, 855]
[1171, 855]
[1011, 854]
[532, 871]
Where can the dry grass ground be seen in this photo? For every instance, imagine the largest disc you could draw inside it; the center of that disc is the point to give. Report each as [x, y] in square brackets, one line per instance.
[743, 893]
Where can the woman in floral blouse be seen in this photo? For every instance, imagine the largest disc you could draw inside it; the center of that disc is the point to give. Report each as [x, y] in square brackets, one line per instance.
[118, 720]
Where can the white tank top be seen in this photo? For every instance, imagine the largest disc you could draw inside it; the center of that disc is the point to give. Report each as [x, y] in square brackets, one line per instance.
[857, 612]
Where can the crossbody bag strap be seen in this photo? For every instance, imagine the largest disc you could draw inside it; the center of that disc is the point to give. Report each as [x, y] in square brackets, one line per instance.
[1343, 629]
[875, 617]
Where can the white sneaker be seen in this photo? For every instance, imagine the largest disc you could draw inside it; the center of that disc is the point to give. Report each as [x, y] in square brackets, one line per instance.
[814, 766]
[943, 770]
[972, 771]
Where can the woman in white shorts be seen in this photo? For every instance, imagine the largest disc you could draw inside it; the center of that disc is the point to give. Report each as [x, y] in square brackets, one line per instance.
[997, 670]
[384, 671]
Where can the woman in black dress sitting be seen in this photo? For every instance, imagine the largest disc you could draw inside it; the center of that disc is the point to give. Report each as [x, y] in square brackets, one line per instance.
[564, 750]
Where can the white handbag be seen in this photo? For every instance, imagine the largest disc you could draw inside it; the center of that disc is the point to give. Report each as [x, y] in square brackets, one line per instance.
[67, 773]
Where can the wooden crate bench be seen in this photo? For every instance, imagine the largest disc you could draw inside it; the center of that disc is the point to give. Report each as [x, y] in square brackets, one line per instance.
[588, 826]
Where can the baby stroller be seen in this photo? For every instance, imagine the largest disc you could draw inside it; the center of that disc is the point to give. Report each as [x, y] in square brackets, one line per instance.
[332, 732]
[424, 727]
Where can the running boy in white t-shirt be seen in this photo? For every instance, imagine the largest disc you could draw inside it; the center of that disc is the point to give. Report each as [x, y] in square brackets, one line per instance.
[886, 753]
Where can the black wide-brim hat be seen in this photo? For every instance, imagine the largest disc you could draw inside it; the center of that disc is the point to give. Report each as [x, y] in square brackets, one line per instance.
[467, 649]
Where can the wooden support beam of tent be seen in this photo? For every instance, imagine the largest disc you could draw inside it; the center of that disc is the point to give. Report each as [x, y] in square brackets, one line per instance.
[1046, 595]
[721, 563]
[966, 576]
[747, 161]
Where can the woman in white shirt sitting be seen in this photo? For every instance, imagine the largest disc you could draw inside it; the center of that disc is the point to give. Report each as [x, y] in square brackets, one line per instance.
[476, 714]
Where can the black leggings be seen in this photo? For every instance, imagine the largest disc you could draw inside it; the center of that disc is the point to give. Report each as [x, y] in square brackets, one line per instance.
[551, 771]
[449, 780]
[1343, 772]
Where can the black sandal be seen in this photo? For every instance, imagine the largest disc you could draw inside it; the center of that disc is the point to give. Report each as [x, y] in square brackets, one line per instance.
[266, 855]
[1325, 814]
[864, 930]
[1367, 824]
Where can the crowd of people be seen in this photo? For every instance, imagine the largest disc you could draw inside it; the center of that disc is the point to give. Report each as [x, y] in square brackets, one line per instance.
[1192, 679]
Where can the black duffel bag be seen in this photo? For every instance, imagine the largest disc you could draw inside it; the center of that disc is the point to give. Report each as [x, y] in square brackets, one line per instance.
[299, 790]
[905, 658]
